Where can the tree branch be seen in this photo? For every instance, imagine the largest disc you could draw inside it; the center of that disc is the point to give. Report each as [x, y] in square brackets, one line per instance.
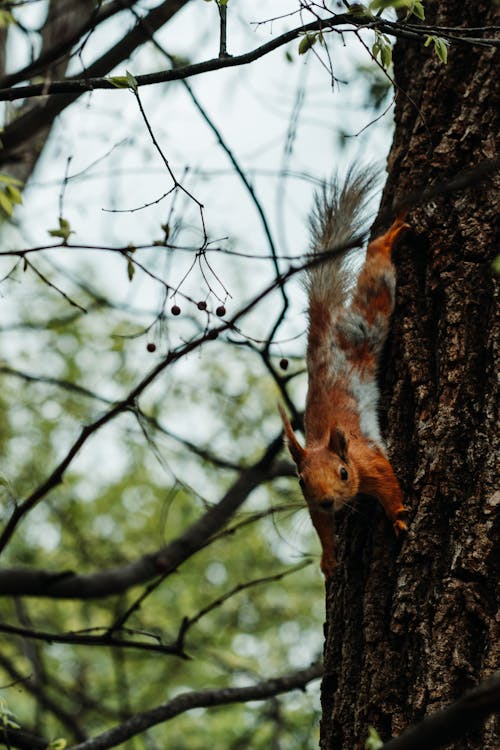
[43, 698]
[81, 639]
[201, 699]
[21, 739]
[188, 622]
[454, 721]
[26, 582]
[17, 133]
[249, 479]
[61, 47]
[78, 86]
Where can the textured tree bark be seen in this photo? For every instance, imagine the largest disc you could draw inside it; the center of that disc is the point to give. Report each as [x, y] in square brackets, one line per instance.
[411, 626]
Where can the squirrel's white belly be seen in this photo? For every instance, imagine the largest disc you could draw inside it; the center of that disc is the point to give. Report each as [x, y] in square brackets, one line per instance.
[366, 394]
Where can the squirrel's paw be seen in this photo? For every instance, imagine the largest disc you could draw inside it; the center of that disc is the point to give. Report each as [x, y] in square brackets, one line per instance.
[328, 565]
[400, 526]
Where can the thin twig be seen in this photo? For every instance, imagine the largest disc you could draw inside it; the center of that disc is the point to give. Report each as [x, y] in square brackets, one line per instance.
[91, 640]
[77, 85]
[50, 284]
[222, 8]
[188, 622]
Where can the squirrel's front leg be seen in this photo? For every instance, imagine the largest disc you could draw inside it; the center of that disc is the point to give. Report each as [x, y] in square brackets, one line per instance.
[324, 524]
[378, 479]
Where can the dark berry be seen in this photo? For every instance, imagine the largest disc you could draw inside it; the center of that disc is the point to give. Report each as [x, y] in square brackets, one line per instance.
[151, 347]
[284, 364]
[202, 305]
[221, 311]
[175, 310]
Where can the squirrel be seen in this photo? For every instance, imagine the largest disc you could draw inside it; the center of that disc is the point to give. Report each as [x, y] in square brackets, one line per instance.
[344, 453]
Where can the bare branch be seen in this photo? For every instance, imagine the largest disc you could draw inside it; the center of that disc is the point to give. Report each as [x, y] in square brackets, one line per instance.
[250, 478]
[201, 699]
[222, 143]
[188, 622]
[63, 46]
[21, 739]
[67, 385]
[79, 86]
[22, 581]
[79, 639]
[43, 698]
[16, 134]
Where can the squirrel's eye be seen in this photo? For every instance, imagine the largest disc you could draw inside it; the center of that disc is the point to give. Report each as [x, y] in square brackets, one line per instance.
[301, 483]
[343, 474]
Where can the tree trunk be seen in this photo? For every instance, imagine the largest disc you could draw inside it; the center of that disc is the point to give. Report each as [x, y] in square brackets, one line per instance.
[411, 626]
[60, 24]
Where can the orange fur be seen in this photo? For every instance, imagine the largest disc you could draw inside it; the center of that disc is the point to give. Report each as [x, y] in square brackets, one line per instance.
[344, 453]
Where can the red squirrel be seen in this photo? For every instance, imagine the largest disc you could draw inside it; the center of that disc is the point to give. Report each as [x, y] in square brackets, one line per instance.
[344, 452]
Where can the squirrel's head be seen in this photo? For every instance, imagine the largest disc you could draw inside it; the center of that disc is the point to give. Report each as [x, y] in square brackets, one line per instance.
[327, 477]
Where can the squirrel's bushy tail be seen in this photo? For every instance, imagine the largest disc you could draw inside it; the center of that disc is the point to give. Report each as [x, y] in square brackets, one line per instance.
[338, 218]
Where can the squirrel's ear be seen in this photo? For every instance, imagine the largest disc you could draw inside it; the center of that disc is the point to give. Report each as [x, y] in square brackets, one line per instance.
[338, 443]
[293, 444]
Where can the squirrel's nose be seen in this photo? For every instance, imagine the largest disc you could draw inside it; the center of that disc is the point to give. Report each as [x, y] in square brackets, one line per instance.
[326, 504]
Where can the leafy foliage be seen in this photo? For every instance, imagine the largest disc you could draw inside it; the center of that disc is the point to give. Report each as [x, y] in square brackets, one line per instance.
[10, 195]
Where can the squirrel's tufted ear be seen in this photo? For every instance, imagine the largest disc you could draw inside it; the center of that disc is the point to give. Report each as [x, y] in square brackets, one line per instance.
[338, 443]
[295, 448]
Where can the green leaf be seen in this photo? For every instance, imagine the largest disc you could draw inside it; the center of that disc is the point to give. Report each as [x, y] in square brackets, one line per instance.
[419, 11]
[288, 56]
[59, 744]
[64, 230]
[441, 49]
[386, 55]
[373, 741]
[307, 41]
[8, 180]
[440, 46]
[382, 49]
[127, 81]
[14, 194]
[132, 81]
[121, 82]
[6, 204]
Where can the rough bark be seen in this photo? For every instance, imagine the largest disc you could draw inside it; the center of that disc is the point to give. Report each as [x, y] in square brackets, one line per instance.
[411, 626]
